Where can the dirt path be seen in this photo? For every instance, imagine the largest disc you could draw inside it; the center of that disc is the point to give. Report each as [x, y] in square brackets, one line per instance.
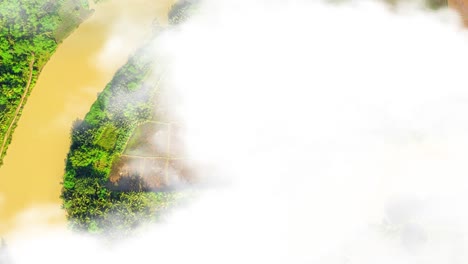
[18, 109]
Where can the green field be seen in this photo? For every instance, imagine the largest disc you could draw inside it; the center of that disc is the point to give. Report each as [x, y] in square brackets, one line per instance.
[149, 140]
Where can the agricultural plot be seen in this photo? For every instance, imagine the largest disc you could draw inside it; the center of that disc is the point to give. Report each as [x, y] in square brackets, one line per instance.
[149, 140]
[152, 160]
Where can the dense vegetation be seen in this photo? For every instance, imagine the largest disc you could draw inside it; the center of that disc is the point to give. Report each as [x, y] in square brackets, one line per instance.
[436, 4]
[180, 11]
[30, 31]
[91, 202]
[97, 141]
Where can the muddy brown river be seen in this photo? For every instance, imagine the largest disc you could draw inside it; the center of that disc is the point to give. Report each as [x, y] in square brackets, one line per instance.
[82, 65]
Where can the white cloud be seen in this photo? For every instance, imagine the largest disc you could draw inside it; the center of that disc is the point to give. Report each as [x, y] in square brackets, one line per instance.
[127, 26]
[341, 128]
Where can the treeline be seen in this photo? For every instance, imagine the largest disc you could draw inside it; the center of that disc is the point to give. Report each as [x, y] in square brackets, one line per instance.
[91, 202]
[97, 141]
[30, 31]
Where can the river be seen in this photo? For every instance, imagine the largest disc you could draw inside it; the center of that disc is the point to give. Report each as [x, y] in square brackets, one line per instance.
[82, 65]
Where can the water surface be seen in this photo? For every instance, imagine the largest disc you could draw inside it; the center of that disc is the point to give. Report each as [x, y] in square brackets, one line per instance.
[82, 65]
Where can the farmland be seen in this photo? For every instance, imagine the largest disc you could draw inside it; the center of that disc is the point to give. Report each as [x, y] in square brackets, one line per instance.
[153, 154]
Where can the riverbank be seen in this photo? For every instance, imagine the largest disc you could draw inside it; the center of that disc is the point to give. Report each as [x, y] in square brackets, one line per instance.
[7, 135]
[29, 31]
[80, 68]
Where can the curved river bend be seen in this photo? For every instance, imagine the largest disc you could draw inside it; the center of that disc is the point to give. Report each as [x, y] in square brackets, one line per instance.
[82, 65]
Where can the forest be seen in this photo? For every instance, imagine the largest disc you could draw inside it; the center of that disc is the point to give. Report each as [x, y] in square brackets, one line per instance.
[98, 141]
[30, 32]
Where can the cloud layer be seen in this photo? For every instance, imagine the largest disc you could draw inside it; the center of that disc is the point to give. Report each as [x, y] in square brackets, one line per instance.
[339, 131]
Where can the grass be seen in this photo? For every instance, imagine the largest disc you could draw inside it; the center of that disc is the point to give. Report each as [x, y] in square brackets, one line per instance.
[107, 137]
